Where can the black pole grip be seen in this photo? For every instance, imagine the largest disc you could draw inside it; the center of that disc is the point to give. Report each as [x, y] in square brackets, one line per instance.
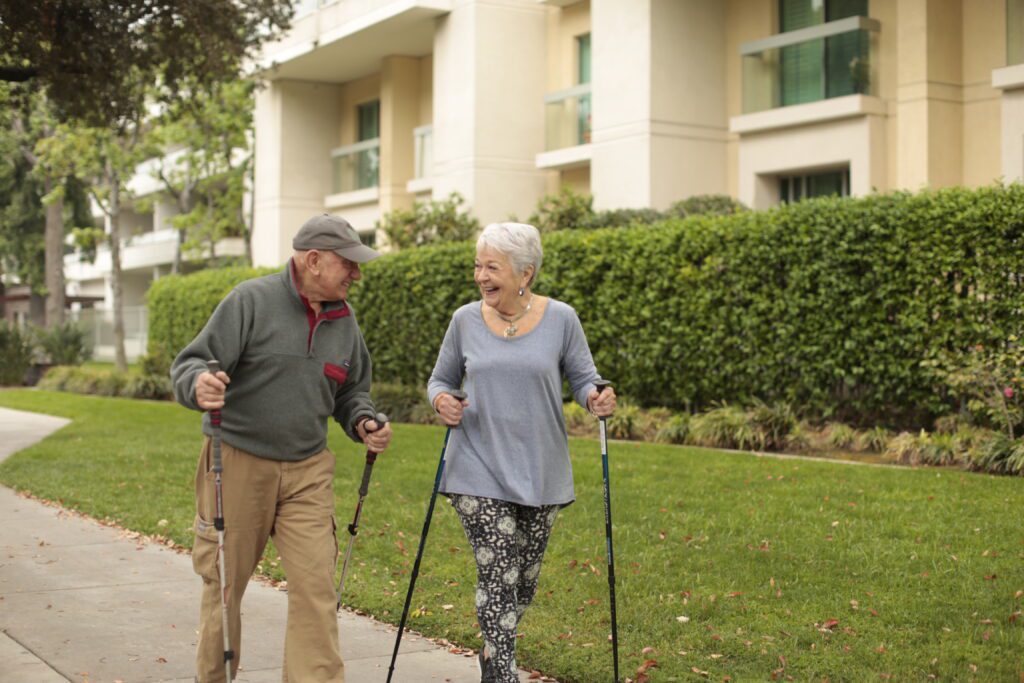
[458, 394]
[602, 384]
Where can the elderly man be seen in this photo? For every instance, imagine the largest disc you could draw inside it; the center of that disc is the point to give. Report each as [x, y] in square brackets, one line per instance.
[292, 356]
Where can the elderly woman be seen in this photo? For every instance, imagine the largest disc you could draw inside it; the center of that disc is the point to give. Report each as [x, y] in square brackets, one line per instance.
[508, 470]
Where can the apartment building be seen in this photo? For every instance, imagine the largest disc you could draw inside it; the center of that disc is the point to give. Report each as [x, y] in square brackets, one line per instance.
[149, 244]
[372, 104]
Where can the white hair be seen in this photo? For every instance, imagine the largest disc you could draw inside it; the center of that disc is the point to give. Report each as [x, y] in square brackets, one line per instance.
[518, 241]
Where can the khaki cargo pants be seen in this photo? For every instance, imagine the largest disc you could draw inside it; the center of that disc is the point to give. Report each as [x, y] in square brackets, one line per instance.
[293, 502]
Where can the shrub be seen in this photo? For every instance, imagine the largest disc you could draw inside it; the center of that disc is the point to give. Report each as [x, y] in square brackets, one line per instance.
[706, 205]
[15, 354]
[676, 430]
[829, 304]
[905, 448]
[566, 210]
[154, 387]
[577, 420]
[398, 401]
[723, 427]
[840, 436]
[428, 223]
[987, 381]
[624, 422]
[1000, 455]
[772, 423]
[874, 439]
[64, 344]
[799, 437]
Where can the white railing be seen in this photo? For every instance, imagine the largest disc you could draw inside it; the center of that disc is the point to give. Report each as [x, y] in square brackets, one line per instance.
[568, 117]
[355, 167]
[99, 325]
[423, 141]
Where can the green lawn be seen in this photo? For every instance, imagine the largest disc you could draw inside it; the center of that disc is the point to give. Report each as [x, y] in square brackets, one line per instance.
[733, 565]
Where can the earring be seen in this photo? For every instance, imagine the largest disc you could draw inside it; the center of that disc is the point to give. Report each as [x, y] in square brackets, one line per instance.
[521, 290]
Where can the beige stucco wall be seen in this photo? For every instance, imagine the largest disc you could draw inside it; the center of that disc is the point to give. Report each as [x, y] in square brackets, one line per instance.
[564, 25]
[984, 35]
[296, 127]
[746, 20]
[489, 84]
[353, 94]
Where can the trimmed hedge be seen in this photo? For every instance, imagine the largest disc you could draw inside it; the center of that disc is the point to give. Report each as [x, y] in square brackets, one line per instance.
[829, 304]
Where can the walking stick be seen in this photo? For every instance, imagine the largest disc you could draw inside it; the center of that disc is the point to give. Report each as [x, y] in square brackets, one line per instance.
[353, 528]
[461, 396]
[218, 522]
[601, 386]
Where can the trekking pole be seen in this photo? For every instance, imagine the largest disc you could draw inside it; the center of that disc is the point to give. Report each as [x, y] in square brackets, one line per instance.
[601, 386]
[218, 522]
[353, 528]
[460, 395]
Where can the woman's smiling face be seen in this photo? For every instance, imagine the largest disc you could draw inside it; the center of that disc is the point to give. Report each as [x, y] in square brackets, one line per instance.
[498, 282]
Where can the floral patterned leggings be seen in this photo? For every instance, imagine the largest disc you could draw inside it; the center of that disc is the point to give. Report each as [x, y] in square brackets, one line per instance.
[508, 541]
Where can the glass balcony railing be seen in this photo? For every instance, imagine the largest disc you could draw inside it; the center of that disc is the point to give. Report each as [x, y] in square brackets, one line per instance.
[355, 167]
[811, 64]
[423, 151]
[567, 115]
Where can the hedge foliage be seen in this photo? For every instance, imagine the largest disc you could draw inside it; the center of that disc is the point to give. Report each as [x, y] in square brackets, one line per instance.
[829, 304]
[180, 305]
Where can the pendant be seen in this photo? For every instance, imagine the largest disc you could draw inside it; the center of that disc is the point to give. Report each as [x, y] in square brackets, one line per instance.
[510, 331]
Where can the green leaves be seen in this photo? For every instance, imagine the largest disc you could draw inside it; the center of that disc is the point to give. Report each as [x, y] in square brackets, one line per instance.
[829, 304]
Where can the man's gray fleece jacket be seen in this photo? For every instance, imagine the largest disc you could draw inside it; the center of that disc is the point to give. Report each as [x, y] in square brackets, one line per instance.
[290, 369]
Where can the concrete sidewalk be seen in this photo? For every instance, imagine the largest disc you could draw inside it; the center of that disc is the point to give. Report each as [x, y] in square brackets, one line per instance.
[87, 603]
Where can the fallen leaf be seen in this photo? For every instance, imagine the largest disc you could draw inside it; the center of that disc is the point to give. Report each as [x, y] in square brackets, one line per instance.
[647, 650]
[830, 624]
[682, 619]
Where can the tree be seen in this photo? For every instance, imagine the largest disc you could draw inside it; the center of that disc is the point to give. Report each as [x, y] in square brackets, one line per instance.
[32, 201]
[210, 156]
[78, 50]
[106, 157]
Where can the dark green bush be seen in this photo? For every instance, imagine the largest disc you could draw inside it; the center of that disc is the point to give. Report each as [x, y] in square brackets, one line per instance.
[706, 205]
[430, 222]
[15, 354]
[64, 344]
[828, 304]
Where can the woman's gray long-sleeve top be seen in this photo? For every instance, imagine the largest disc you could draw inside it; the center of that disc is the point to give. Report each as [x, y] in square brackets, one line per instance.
[511, 444]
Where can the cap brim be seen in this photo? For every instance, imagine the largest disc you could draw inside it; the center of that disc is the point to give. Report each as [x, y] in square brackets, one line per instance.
[359, 253]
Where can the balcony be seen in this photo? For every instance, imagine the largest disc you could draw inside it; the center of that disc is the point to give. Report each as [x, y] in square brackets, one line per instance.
[355, 167]
[821, 62]
[567, 117]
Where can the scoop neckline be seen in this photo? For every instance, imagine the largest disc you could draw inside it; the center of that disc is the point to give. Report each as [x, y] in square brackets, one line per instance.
[501, 337]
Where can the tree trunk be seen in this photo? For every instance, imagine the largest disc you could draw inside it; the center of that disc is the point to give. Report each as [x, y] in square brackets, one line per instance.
[114, 237]
[54, 241]
[37, 309]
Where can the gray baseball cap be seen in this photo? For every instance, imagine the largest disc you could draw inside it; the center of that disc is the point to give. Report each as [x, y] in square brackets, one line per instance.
[333, 233]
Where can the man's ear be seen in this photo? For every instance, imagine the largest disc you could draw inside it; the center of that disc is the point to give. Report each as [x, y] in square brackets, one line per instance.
[312, 259]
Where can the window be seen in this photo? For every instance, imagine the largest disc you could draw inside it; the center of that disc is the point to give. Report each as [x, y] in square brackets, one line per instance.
[368, 162]
[583, 76]
[825, 67]
[830, 183]
[1014, 32]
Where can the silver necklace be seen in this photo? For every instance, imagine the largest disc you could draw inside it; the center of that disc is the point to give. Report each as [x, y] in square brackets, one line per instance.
[511, 330]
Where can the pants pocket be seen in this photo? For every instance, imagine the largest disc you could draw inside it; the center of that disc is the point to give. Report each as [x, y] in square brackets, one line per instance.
[204, 550]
